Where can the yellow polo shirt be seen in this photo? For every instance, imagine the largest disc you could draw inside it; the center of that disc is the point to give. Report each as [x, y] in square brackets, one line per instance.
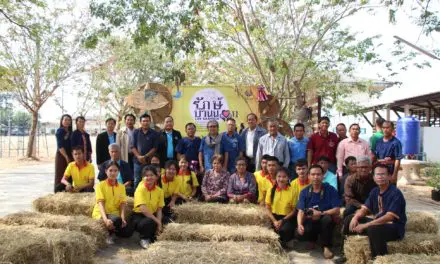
[112, 196]
[259, 179]
[170, 188]
[266, 185]
[152, 199]
[297, 188]
[185, 187]
[283, 201]
[80, 175]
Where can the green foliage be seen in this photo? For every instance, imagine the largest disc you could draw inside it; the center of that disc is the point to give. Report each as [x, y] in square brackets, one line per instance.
[434, 176]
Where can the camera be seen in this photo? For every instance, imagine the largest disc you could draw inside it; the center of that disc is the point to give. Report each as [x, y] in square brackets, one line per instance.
[309, 211]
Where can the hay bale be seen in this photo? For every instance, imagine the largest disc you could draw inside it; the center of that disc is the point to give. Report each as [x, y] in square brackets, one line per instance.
[165, 252]
[214, 232]
[407, 259]
[87, 225]
[357, 248]
[64, 203]
[421, 222]
[27, 244]
[228, 214]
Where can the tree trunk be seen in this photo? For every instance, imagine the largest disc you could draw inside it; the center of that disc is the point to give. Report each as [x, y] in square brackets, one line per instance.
[32, 135]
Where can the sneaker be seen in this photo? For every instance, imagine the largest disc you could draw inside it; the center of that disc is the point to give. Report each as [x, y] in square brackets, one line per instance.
[144, 243]
[110, 240]
[328, 254]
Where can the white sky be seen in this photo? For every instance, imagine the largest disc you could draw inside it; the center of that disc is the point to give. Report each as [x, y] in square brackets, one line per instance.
[414, 81]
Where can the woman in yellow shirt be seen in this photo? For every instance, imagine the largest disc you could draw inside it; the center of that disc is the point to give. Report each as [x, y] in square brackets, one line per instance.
[148, 203]
[187, 180]
[171, 190]
[111, 201]
[280, 207]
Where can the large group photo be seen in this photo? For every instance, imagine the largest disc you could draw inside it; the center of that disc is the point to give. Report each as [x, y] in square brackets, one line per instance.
[219, 132]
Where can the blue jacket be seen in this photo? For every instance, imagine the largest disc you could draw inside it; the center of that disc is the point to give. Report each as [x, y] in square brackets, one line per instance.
[259, 132]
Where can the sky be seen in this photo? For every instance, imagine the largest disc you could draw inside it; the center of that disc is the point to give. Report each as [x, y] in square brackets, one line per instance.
[414, 81]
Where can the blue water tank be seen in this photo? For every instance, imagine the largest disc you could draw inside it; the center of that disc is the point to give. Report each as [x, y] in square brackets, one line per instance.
[408, 132]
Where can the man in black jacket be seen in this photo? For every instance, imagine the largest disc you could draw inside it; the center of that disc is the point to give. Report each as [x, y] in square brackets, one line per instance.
[168, 141]
[251, 136]
[125, 175]
[104, 140]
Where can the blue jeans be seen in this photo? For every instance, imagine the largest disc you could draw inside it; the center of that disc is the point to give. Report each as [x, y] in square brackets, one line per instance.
[137, 174]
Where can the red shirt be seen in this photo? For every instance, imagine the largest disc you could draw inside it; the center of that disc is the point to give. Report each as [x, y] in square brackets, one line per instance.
[323, 145]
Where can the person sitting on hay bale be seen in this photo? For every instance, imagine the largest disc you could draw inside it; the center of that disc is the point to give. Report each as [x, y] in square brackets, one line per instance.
[318, 211]
[215, 182]
[260, 176]
[388, 206]
[188, 180]
[81, 171]
[358, 186]
[242, 187]
[125, 175]
[111, 201]
[271, 177]
[302, 180]
[171, 190]
[148, 203]
[280, 205]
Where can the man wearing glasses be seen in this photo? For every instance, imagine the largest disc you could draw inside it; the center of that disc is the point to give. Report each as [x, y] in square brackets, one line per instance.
[209, 146]
[388, 207]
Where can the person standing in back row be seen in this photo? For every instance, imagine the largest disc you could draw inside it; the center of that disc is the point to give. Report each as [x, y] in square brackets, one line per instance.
[144, 146]
[81, 138]
[251, 136]
[389, 150]
[104, 140]
[64, 150]
[378, 135]
[273, 144]
[298, 148]
[232, 146]
[323, 143]
[168, 141]
[124, 138]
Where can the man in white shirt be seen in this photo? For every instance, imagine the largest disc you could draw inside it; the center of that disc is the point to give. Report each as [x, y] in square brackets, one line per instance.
[124, 137]
[251, 136]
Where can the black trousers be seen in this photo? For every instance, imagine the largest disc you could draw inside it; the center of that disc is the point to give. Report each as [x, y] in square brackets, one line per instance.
[250, 164]
[120, 231]
[378, 235]
[167, 213]
[144, 225]
[219, 199]
[129, 190]
[287, 230]
[322, 227]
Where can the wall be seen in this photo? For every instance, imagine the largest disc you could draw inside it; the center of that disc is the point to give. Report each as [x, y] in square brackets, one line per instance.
[431, 144]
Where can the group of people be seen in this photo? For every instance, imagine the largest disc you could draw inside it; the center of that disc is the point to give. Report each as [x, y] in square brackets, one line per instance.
[301, 181]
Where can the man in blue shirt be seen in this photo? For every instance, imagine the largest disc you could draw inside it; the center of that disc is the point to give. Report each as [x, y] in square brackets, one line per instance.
[389, 150]
[318, 208]
[144, 145]
[388, 207]
[297, 148]
[209, 146]
[189, 146]
[329, 177]
[232, 146]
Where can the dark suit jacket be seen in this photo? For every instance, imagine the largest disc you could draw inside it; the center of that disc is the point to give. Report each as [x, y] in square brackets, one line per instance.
[126, 173]
[102, 147]
[259, 132]
[163, 145]
[77, 140]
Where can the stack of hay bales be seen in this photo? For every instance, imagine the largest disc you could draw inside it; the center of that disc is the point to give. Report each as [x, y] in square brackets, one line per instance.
[215, 233]
[407, 259]
[61, 231]
[30, 244]
[64, 203]
[420, 238]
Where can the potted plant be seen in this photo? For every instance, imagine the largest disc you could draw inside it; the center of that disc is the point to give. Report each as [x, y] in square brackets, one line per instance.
[434, 181]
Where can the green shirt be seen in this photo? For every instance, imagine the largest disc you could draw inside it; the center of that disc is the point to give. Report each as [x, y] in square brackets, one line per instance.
[376, 136]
